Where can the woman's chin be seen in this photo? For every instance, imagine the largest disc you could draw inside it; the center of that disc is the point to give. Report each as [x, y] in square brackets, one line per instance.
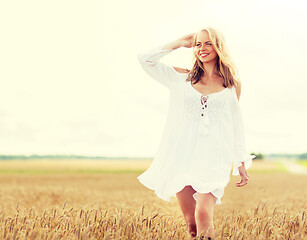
[205, 61]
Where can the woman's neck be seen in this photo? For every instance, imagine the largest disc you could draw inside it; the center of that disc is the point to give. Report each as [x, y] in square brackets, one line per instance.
[210, 69]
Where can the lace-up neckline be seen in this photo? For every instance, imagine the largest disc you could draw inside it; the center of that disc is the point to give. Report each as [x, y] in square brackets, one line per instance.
[190, 83]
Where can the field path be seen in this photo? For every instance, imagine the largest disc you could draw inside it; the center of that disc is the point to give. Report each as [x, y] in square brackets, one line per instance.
[294, 167]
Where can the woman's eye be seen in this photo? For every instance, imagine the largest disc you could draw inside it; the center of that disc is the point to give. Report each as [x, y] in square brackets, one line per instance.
[209, 44]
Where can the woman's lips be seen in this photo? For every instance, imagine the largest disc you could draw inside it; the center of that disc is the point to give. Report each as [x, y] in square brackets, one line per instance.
[203, 55]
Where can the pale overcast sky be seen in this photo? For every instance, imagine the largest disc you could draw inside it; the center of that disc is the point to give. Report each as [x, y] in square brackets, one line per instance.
[71, 82]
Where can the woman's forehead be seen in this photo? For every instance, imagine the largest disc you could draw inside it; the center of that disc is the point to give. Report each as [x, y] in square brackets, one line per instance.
[202, 36]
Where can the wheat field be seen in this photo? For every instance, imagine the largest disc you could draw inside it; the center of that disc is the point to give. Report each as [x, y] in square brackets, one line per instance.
[66, 204]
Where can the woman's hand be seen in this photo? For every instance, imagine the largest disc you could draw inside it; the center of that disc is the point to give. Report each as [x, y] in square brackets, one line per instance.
[244, 176]
[187, 40]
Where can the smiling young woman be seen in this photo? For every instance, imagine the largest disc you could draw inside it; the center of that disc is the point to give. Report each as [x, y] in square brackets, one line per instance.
[204, 133]
[213, 65]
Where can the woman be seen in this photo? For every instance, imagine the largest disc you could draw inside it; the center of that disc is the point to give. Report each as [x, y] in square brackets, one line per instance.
[204, 132]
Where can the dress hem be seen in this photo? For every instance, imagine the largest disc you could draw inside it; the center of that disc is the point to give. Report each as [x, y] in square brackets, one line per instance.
[213, 191]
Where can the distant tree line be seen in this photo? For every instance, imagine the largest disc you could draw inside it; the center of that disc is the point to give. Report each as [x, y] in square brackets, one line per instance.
[302, 156]
[26, 157]
[8, 157]
[258, 156]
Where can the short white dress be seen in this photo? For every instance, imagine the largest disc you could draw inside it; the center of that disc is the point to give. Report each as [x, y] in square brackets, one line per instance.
[203, 136]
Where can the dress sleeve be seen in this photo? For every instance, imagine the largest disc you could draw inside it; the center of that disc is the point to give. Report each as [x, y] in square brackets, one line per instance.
[150, 62]
[240, 153]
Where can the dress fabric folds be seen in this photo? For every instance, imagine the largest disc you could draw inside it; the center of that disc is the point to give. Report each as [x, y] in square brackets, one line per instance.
[203, 137]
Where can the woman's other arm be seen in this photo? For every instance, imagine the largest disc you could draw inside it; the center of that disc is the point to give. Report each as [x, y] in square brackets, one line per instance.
[242, 160]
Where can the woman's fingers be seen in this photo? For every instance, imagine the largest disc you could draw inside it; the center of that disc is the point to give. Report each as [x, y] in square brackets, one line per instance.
[188, 37]
[191, 35]
[244, 176]
[242, 183]
[188, 40]
[244, 179]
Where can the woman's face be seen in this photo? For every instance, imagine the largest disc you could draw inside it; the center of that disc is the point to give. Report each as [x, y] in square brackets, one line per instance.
[203, 48]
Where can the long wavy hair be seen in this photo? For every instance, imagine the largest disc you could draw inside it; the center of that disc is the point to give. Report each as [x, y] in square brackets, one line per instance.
[224, 67]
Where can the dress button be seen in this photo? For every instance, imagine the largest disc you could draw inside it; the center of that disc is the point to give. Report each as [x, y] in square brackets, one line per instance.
[202, 114]
[203, 108]
[205, 105]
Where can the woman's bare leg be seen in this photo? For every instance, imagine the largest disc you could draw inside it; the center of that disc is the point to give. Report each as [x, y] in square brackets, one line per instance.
[187, 204]
[204, 214]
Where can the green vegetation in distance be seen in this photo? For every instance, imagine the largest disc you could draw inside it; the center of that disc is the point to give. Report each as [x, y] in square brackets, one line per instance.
[303, 163]
[280, 168]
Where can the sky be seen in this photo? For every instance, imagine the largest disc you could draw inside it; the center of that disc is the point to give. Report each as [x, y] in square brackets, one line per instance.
[71, 82]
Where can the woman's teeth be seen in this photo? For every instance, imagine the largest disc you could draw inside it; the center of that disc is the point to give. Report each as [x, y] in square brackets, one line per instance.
[204, 54]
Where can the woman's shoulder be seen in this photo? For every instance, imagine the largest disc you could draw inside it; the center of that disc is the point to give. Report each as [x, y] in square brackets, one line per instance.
[237, 88]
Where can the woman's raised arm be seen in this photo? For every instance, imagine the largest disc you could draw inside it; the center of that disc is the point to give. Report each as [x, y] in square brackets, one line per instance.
[163, 73]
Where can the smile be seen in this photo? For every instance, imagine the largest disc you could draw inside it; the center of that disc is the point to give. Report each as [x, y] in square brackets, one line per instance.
[204, 55]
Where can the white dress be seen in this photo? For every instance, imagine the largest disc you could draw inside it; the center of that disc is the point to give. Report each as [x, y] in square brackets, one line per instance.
[201, 139]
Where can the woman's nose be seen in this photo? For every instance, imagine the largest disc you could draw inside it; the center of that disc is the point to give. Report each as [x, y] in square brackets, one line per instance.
[203, 47]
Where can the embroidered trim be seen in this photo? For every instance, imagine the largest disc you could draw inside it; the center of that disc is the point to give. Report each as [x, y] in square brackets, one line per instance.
[207, 113]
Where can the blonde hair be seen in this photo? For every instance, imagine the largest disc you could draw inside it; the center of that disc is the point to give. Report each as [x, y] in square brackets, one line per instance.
[224, 67]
